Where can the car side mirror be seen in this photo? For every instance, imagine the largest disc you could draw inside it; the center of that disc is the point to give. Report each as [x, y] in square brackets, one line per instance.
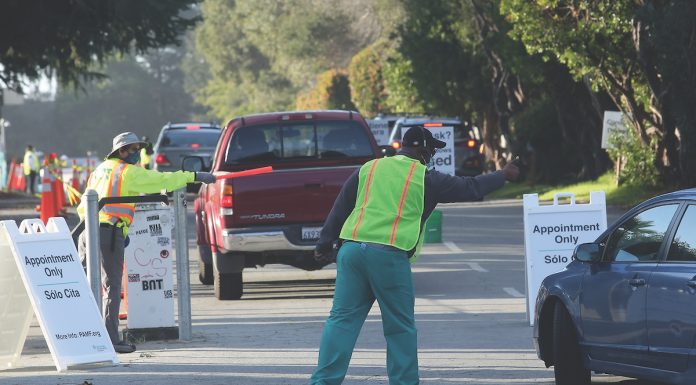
[387, 150]
[587, 252]
[192, 163]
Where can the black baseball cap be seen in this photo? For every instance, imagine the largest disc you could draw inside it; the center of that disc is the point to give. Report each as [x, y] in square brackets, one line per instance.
[419, 136]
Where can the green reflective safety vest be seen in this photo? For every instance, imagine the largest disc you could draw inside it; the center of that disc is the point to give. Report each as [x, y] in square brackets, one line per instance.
[115, 178]
[30, 163]
[389, 204]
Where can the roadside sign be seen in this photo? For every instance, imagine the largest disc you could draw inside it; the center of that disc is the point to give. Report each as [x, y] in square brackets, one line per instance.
[149, 267]
[444, 157]
[15, 308]
[380, 129]
[57, 288]
[551, 233]
[613, 122]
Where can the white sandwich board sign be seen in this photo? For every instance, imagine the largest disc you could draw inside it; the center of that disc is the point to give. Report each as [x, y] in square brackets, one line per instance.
[551, 233]
[15, 308]
[46, 260]
[149, 267]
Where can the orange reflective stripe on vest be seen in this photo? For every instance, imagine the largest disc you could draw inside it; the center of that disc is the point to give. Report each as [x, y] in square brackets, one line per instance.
[367, 194]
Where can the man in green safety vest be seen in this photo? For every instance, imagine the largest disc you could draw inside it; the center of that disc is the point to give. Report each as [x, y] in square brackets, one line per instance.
[31, 168]
[121, 175]
[379, 215]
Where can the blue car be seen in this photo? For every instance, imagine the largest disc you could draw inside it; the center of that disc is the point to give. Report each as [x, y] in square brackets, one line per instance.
[626, 304]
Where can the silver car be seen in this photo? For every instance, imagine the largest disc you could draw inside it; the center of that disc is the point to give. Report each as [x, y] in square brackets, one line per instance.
[178, 140]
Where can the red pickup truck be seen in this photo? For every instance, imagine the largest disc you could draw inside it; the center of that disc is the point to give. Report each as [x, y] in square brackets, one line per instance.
[276, 217]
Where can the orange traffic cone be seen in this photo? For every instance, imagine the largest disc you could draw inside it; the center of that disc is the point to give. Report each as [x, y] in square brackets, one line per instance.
[21, 180]
[57, 192]
[48, 201]
[11, 176]
[61, 193]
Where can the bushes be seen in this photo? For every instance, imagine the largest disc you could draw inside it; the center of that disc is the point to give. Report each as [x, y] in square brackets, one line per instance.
[637, 161]
[366, 79]
[330, 92]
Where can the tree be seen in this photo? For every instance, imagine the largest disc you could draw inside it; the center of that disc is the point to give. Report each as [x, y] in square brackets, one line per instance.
[461, 61]
[641, 52]
[139, 95]
[331, 92]
[66, 38]
[272, 50]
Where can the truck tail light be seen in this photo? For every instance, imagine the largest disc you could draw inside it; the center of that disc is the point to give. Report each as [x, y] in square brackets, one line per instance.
[226, 200]
[161, 160]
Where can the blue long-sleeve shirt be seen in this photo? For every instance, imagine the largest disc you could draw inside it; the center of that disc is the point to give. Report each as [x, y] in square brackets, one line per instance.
[438, 188]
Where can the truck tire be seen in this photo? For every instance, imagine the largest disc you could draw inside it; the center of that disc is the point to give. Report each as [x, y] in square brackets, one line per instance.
[569, 367]
[205, 269]
[228, 286]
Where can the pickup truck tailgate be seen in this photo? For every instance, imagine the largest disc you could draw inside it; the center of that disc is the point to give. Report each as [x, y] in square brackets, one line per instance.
[287, 196]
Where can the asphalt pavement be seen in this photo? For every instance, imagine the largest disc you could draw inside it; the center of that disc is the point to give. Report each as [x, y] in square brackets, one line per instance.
[470, 312]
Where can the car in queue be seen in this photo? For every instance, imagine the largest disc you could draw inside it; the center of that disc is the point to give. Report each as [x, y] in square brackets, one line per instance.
[178, 140]
[626, 304]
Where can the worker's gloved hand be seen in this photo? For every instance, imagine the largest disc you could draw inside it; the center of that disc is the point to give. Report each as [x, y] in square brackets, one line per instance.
[512, 171]
[205, 177]
[324, 253]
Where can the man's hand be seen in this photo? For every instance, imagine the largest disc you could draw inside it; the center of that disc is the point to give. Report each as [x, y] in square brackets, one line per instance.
[324, 253]
[511, 171]
[204, 177]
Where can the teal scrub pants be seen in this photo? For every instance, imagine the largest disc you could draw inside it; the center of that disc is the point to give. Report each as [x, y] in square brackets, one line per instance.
[366, 272]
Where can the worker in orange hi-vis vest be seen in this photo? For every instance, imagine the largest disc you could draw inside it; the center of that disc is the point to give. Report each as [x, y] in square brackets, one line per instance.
[121, 175]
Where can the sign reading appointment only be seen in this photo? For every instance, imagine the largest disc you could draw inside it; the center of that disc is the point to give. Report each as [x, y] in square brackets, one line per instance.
[40, 266]
[551, 233]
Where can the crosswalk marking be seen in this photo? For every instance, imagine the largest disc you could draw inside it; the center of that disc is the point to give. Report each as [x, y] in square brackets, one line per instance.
[453, 247]
[513, 292]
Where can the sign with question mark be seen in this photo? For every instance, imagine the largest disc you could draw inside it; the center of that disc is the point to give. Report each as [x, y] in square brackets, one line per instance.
[443, 160]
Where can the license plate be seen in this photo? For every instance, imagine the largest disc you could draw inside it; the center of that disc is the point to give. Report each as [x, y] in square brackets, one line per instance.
[311, 233]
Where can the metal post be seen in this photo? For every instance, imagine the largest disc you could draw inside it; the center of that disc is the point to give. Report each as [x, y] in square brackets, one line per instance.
[92, 238]
[182, 265]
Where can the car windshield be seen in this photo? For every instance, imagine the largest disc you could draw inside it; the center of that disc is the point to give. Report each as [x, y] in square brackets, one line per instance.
[190, 138]
[297, 141]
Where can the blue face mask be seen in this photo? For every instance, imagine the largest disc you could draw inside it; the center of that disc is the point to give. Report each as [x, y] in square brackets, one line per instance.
[133, 158]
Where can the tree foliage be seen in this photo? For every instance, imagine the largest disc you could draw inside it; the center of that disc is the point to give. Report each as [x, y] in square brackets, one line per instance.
[331, 92]
[641, 52]
[272, 50]
[138, 95]
[367, 83]
[66, 38]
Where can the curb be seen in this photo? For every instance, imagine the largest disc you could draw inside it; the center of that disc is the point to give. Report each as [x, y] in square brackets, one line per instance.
[17, 203]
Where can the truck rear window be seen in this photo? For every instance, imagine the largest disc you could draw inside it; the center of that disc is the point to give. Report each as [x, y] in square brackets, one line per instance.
[298, 141]
[185, 138]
